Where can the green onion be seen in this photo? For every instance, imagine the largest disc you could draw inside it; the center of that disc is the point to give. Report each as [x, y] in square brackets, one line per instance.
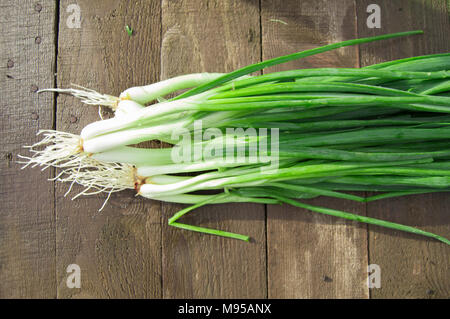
[326, 131]
[129, 30]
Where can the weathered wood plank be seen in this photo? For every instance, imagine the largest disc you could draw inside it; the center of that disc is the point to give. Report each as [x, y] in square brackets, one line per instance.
[214, 36]
[311, 255]
[118, 249]
[27, 222]
[411, 266]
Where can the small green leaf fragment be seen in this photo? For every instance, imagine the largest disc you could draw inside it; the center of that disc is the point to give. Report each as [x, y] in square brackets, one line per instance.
[279, 21]
[129, 30]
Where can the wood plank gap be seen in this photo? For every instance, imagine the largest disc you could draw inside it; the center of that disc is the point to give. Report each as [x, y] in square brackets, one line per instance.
[55, 108]
[265, 205]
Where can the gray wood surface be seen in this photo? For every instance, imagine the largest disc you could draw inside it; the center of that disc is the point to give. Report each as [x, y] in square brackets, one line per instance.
[27, 217]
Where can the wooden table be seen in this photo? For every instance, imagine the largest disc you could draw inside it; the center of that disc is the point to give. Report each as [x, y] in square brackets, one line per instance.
[128, 250]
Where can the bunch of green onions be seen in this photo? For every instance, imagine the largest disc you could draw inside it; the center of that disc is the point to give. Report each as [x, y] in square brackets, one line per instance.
[382, 128]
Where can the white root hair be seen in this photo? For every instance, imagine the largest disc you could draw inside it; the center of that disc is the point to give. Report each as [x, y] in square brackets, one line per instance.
[65, 151]
[99, 177]
[88, 96]
[56, 149]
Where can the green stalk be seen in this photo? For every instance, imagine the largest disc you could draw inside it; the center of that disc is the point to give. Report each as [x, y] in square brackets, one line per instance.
[290, 87]
[426, 63]
[261, 65]
[316, 191]
[278, 196]
[136, 156]
[322, 74]
[370, 135]
[174, 218]
[212, 199]
[341, 155]
[437, 182]
[309, 115]
[146, 94]
[404, 171]
[422, 103]
[398, 194]
[255, 176]
[210, 231]
[334, 125]
[358, 218]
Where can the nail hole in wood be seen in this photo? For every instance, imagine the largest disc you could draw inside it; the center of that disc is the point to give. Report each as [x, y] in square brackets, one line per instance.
[38, 7]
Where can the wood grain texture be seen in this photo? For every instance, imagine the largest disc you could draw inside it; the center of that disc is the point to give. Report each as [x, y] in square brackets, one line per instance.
[411, 266]
[214, 36]
[312, 255]
[118, 249]
[27, 223]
